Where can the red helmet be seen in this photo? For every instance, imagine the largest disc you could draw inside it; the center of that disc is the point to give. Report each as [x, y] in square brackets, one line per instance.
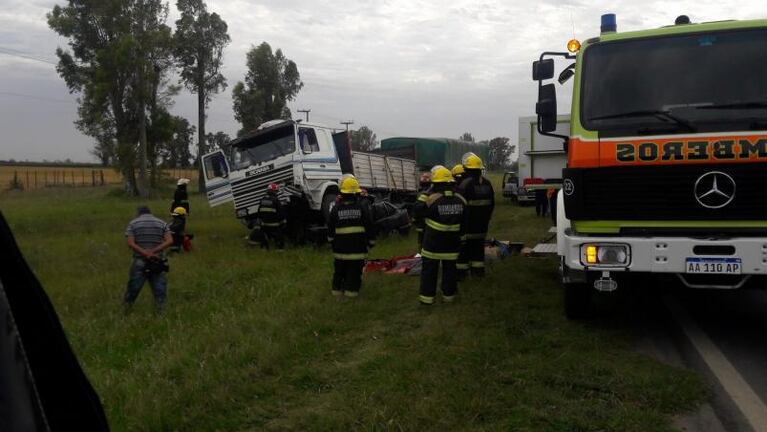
[274, 187]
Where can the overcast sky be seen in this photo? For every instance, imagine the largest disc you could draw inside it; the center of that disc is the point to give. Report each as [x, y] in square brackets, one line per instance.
[401, 67]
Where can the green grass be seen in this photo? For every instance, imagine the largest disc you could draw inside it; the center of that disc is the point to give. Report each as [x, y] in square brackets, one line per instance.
[253, 340]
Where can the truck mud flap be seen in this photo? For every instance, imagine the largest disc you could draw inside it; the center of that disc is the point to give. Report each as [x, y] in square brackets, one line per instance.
[42, 386]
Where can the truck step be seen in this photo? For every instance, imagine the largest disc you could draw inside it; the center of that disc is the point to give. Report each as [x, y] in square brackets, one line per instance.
[545, 249]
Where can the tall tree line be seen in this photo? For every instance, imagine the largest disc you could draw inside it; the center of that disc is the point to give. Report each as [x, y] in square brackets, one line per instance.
[121, 58]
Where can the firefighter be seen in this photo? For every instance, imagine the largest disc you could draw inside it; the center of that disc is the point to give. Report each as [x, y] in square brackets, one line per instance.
[180, 196]
[444, 221]
[271, 215]
[480, 202]
[177, 227]
[462, 265]
[351, 234]
[458, 173]
[420, 206]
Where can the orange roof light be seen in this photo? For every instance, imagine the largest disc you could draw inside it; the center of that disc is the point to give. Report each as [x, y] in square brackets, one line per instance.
[573, 46]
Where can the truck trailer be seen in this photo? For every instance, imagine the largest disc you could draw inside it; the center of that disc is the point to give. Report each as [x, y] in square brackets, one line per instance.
[541, 159]
[307, 161]
[666, 157]
[428, 152]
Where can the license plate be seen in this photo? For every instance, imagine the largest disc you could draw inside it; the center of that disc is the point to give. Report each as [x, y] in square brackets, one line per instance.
[714, 265]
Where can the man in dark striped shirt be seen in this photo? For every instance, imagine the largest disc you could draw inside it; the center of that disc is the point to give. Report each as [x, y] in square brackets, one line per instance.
[147, 237]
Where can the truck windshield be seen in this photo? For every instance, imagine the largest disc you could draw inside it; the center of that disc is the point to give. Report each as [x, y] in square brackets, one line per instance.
[676, 84]
[264, 147]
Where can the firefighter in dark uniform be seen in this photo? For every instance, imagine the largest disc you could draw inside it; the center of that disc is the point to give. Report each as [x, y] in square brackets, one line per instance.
[420, 206]
[462, 265]
[444, 220]
[351, 233]
[271, 215]
[180, 196]
[480, 202]
[458, 173]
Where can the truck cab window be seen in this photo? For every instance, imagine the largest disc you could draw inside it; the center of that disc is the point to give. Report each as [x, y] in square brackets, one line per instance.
[308, 139]
[215, 167]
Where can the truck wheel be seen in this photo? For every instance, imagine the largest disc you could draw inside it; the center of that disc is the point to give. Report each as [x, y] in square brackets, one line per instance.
[328, 202]
[577, 300]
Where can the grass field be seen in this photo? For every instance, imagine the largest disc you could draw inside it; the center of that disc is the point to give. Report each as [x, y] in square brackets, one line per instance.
[253, 340]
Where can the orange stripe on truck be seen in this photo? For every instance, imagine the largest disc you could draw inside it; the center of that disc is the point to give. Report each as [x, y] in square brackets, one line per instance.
[668, 150]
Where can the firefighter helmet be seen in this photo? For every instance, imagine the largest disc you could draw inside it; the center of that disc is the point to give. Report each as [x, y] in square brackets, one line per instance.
[179, 211]
[440, 174]
[458, 170]
[350, 185]
[274, 187]
[471, 161]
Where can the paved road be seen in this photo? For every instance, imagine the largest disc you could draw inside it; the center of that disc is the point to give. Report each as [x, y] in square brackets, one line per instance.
[723, 334]
[735, 322]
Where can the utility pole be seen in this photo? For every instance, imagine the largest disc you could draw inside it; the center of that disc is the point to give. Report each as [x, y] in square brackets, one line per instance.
[347, 123]
[305, 111]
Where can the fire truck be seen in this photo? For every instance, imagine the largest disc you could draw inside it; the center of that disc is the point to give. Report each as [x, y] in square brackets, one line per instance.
[666, 173]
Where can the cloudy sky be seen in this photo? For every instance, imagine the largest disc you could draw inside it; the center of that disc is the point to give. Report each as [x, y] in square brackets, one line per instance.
[401, 67]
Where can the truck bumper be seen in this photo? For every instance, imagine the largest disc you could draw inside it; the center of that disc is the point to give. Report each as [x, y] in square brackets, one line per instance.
[668, 254]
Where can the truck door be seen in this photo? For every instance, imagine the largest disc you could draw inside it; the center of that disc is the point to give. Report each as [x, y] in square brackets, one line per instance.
[319, 158]
[216, 171]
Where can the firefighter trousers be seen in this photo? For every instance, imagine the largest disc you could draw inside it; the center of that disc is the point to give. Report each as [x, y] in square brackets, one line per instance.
[273, 233]
[429, 276]
[473, 256]
[347, 275]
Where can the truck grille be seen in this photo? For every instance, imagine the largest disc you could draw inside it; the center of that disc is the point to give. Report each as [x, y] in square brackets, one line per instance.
[664, 192]
[248, 192]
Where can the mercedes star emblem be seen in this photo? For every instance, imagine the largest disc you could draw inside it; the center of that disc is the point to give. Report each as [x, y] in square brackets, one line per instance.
[714, 190]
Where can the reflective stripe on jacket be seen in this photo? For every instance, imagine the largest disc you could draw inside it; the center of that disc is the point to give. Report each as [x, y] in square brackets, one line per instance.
[350, 229]
[480, 202]
[444, 220]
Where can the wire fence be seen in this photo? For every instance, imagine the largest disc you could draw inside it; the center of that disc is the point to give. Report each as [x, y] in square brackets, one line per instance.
[38, 177]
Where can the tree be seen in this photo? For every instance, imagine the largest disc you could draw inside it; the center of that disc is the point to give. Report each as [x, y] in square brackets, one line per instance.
[216, 141]
[200, 40]
[176, 153]
[364, 139]
[271, 81]
[467, 136]
[115, 48]
[98, 69]
[499, 150]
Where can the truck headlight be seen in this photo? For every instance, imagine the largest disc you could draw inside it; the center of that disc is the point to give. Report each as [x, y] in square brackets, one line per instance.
[615, 255]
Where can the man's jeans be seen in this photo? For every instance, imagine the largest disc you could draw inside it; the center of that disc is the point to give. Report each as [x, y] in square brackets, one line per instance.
[136, 281]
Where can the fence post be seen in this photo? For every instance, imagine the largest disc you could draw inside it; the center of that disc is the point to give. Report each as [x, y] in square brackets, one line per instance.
[26, 186]
[35, 179]
[102, 177]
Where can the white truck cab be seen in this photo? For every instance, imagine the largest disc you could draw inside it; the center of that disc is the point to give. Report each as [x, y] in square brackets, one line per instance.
[306, 160]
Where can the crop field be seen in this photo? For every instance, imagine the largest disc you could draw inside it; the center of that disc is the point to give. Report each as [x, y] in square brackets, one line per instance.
[253, 340]
[31, 177]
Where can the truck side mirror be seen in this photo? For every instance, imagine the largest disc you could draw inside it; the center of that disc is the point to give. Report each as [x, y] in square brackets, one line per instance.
[566, 74]
[543, 69]
[546, 108]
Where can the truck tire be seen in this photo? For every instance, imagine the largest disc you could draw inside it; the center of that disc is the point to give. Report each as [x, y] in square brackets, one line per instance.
[578, 300]
[328, 201]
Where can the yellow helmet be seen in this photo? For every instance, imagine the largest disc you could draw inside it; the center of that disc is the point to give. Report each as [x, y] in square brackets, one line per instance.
[440, 174]
[471, 161]
[458, 170]
[350, 185]
[179, 211]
